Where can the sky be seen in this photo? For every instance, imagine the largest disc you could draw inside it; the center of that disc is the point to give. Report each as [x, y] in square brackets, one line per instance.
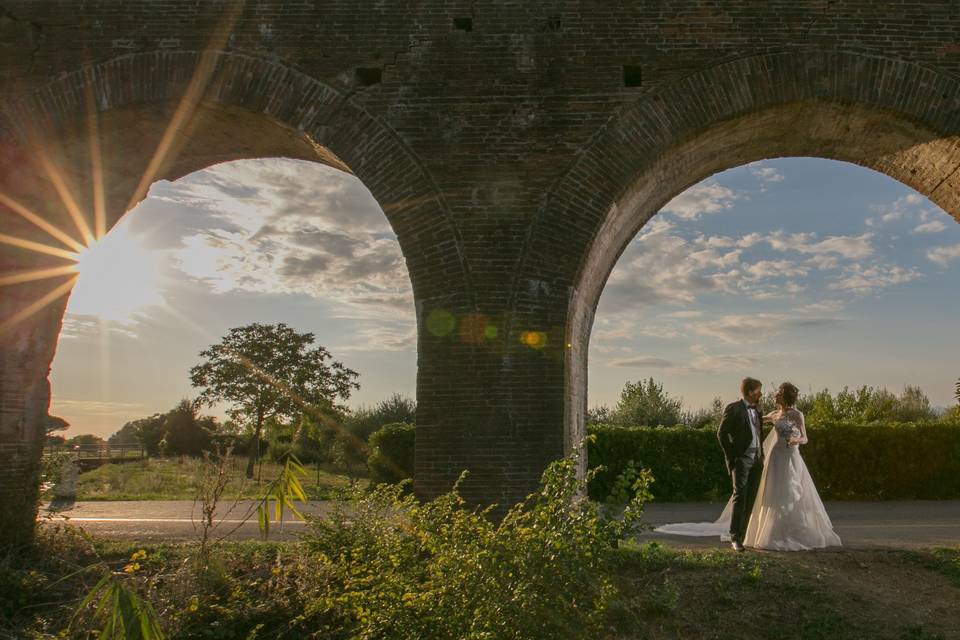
[814, 271]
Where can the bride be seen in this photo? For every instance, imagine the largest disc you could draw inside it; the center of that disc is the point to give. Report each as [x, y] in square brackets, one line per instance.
[788, 514]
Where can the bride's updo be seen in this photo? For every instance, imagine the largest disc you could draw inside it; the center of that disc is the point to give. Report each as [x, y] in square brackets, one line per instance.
[788, 394]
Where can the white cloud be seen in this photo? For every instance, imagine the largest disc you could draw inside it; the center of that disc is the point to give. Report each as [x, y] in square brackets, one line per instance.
[685, 314]
[775, 269]
[705, 362]
[705, 197]
[934, 226]
[750, 328]
[943, 256]
[294, 227]
[850, 247]
[766, 174]
[859, 279]
[643, 362]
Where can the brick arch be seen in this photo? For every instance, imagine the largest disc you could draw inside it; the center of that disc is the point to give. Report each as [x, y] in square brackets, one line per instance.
[289, 112]
[250, 107]
[892, 116]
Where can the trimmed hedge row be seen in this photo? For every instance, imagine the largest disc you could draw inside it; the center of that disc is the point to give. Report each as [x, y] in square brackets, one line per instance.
[884, 461]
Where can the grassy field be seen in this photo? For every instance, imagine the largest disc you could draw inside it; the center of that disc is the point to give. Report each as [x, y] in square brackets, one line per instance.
[176, 479]
[664, 592]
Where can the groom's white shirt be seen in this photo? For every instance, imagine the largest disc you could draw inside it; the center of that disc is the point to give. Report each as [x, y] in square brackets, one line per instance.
[754, 416]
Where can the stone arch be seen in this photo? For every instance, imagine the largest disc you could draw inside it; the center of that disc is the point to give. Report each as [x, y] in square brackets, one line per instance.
[892, 116]
[134, 97]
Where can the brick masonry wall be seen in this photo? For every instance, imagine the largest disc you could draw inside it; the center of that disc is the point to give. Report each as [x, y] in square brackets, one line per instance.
[497, 136]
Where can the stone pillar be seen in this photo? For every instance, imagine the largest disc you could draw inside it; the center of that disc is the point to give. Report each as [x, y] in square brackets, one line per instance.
[25, 356]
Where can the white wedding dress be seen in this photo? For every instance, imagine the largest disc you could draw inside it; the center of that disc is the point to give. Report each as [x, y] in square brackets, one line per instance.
[788, 514]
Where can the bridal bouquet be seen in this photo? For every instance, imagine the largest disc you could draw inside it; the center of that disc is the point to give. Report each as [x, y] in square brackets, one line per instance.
[787, 430]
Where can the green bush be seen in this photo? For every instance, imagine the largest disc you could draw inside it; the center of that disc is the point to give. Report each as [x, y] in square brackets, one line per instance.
[398, 569]
[881, 461]
[391, 453]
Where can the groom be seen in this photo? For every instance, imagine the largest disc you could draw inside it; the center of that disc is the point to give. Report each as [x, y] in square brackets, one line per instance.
[739, 436]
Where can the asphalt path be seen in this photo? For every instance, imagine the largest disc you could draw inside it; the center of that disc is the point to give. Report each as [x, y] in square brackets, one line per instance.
[903, 525]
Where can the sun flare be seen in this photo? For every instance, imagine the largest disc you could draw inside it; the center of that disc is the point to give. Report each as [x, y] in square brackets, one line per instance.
[119, 277]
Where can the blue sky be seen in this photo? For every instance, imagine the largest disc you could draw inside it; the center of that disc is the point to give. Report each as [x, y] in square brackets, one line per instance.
[814, 271]
[820, 272]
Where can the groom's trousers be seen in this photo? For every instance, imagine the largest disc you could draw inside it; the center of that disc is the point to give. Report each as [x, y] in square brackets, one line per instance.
[745, 474]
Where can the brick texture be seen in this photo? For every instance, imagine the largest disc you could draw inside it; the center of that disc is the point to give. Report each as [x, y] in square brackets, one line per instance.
[514, 161]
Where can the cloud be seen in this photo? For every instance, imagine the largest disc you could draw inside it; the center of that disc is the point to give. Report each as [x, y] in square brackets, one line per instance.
[286, 226]
[934, 226]
[943, 256]
[705, 362]
[95, 407]
[685, 314]
[705, 197]
[850, 247]
[382, 339]
[644, 362]
[859, 279]
[750, 328]
[766, 174]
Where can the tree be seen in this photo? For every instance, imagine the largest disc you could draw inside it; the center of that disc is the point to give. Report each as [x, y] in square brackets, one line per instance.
[646, 403]
[185, 432]
[957, 393]
[54, 423]
[598, 415]
[363, 422]
[270, 371]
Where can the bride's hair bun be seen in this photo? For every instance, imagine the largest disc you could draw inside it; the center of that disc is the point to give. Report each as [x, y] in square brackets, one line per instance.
[789, 393]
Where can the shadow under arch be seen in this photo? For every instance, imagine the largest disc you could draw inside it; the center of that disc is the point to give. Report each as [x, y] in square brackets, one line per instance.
[897, 118]
[88, 142]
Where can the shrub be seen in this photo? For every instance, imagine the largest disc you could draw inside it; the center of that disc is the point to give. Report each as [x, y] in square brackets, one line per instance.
[880, 461]
[391, 453]
[405, 570]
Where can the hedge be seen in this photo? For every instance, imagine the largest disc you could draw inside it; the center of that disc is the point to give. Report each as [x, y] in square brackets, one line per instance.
[883, 461]
[391, 453]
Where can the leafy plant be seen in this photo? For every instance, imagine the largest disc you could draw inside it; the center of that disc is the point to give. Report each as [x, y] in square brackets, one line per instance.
[283, 491]
[118, 611]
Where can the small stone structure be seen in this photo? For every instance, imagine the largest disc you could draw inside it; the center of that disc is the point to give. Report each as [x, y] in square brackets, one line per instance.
[515, 147]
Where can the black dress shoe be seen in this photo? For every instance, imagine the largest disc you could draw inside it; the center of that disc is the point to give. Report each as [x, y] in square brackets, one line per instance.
[737, 546]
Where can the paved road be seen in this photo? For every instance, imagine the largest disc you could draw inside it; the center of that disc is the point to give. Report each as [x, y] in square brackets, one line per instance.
[907, 524]
[860, 524]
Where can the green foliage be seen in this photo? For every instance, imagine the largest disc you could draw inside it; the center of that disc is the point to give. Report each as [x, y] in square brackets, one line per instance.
[391, 453]
[884, 461]
[121, 613]
[283, 492]
[394, 410]
[405, 570]
[645, 402]
[868, 404]
[85, 440]
[687, 463]
[271, 371]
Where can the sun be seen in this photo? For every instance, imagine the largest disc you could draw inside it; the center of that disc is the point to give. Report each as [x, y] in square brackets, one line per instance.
[119, 277]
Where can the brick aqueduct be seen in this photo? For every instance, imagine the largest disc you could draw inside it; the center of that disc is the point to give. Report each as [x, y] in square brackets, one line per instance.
[515, 147]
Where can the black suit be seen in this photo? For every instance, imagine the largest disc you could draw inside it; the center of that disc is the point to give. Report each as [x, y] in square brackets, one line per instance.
[744, 463]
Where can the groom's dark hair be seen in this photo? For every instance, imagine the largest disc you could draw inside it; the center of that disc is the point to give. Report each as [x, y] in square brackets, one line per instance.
[749, 384]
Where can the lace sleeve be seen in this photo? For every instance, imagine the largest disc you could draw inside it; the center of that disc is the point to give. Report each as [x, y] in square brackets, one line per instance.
[802, 425]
